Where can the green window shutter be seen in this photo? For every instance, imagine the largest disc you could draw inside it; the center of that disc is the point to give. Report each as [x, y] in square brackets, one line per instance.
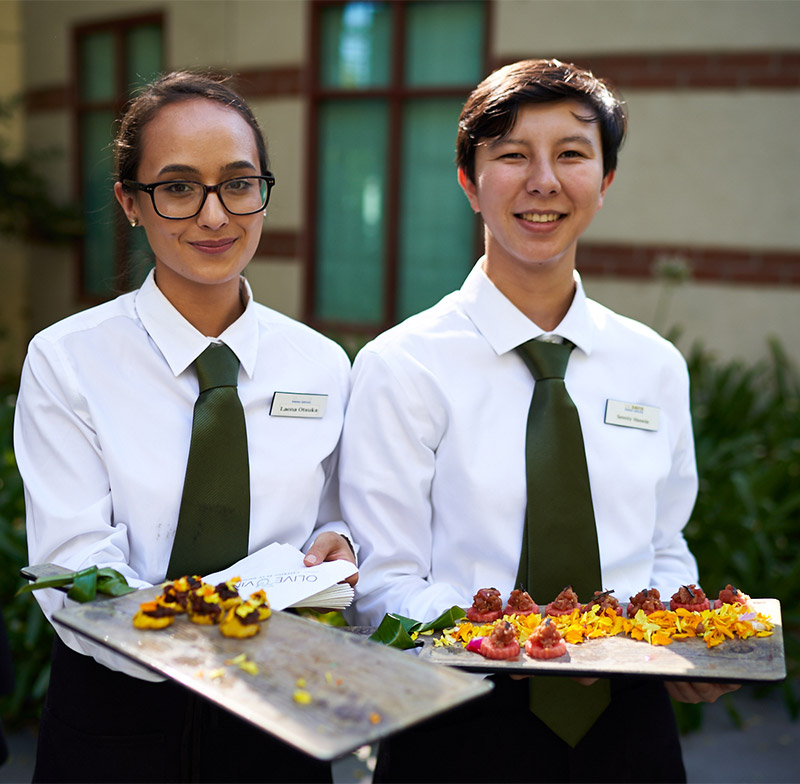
[444, 42]
[355, 46]
[350, 211]
[359, 280]
[96, 67]
[111, 261]
[99, 212]
[436, 223]
[143, 58]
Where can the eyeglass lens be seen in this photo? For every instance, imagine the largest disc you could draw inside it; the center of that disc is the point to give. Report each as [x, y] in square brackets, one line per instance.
[184, 199]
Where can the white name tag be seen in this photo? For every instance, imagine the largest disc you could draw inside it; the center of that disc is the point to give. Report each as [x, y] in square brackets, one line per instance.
[297, 404]
[632, 415]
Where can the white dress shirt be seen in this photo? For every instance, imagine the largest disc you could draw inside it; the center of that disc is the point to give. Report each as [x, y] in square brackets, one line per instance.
[432, 465]
[103, 425]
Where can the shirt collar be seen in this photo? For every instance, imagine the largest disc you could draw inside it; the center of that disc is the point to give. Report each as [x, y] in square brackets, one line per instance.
[505, 326]
[180, 343]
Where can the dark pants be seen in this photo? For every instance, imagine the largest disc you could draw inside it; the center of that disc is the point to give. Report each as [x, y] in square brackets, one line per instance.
[102, 726]
[497, 738]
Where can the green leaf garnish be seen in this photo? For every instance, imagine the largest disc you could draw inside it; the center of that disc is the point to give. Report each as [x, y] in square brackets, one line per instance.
[85, 584]
[396, 630]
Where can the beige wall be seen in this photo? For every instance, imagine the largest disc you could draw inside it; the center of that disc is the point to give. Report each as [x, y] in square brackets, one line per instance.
[282, 121]
[549, 27]
[278, 284]
[733, 321]
[700, 167]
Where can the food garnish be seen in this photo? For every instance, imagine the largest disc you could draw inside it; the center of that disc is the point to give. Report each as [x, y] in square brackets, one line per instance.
[153, 615]
[648, 599]
[486, 606]
[302, 697]
[565, 603]
[545, 642]
[520, 602]
[731, 620]
[502, 642]
[690, 597]
[206, 605]
[243, 663]
[604, 600]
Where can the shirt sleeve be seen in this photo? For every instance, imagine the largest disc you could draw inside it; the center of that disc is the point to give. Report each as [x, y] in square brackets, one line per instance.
[388, 460]
[330, 516]
[674, 563]
[69, 512]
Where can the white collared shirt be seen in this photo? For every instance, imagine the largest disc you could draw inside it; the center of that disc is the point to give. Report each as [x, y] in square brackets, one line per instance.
[103, 425]
[432, 467]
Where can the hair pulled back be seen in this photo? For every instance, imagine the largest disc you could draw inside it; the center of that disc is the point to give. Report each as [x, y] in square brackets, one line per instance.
[491, 109]
[169, 89]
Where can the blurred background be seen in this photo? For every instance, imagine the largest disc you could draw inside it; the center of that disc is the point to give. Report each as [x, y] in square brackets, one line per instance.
[699, 236]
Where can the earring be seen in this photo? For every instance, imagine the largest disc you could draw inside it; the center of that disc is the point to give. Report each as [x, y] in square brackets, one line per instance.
[134, 222]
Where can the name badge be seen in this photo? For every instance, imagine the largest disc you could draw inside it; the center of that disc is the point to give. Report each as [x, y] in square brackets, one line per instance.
[297, 404]
[631, 415]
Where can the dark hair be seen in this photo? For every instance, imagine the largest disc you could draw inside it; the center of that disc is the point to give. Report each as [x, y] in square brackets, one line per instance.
[173, 88]
[491, 109]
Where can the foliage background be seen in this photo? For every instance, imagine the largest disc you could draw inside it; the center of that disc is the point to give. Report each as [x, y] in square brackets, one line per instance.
[747, 517]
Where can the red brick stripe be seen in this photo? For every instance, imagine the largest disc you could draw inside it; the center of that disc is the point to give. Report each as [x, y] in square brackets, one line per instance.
[718, 264]
[693, 70]
[45, 99]
[259, 83]
[631, 261]
[270, 82]
[279, 244]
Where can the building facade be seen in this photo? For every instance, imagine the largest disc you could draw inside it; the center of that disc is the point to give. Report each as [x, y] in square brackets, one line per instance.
[359, 101]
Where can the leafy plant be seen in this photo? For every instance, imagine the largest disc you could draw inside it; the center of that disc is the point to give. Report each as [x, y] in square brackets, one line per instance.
[30, 635]
[27, 207]
[746, 521]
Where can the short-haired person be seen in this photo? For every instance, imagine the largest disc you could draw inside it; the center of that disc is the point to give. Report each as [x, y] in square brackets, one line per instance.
[104, 425]
[433, 461]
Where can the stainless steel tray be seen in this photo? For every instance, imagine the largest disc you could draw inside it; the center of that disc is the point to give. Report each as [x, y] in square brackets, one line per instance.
[360, 691]
[737, 661]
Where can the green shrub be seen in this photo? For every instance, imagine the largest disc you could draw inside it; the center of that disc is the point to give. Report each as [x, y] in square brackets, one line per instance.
[30, 635]
[746, 522]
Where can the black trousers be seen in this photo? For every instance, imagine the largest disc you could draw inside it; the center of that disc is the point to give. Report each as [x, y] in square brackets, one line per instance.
[103, 726]
[497, 739]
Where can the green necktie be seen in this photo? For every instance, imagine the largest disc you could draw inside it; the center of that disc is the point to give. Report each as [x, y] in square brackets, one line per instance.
[559, 541]
[214, 519]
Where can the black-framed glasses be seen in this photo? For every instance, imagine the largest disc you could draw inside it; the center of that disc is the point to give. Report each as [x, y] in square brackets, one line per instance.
[181, 199]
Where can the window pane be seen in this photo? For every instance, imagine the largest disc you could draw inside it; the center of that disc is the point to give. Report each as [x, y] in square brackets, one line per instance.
[356, 45]
[99, 266]
[96, 57]
[437, 227]
[142, 55]
[444, 43]
[350, 213]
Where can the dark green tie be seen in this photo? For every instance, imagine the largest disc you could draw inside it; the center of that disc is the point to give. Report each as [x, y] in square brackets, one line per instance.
[214, 519]
[559, 541]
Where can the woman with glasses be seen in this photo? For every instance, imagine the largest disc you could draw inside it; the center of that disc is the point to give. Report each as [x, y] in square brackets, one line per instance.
[106, 430]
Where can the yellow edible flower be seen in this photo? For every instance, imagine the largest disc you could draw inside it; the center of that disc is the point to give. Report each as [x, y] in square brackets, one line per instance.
[302, 697]
[662, 627]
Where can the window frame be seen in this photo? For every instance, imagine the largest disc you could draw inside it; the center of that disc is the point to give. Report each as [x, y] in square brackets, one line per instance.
[78, 108]
[396, 94]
